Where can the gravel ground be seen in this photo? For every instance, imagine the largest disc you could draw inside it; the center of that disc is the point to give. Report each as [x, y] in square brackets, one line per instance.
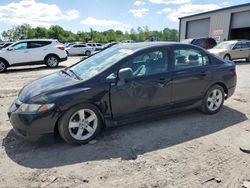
[188, 149]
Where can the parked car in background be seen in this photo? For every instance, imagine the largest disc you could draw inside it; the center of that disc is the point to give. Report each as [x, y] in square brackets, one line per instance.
[206, 43]
[6, 44]
[80, 49]
[234, 49]
[96, 46]
[31, 52]
[72, 43]
[107, 45]
[128, 41]
[122, 84]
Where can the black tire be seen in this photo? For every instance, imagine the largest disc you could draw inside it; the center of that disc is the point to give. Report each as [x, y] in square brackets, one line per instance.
[67, 53]
[52, 61]
[227, 56]
[205, 102]
[3, 66]
[64, 130]
[87, 53]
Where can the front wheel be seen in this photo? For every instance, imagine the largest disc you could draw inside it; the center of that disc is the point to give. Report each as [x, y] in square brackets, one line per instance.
[80, 124]
[213, 100]
[87, 53]
[52, 61]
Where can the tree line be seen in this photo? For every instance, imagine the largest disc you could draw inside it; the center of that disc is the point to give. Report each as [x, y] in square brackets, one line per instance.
[56, 32]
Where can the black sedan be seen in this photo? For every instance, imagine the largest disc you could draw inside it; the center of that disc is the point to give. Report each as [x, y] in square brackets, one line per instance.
[125, 83]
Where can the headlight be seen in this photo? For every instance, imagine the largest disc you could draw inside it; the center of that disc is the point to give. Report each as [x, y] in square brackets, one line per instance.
[34, 107]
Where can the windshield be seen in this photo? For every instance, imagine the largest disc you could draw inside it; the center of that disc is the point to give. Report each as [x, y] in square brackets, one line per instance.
[96, 64]
[224, 45]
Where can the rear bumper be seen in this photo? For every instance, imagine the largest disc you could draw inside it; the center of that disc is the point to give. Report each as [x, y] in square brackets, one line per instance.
[64, 59]
[230, 92]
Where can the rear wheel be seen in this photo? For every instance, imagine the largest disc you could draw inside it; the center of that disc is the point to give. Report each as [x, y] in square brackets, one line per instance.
[87, 53]
[227, 57]
[3, 66]
[80, 124]
[52, 61]
[213, 100]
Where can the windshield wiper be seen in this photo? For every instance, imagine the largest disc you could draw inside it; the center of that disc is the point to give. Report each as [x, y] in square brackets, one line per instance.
[65, 72]
[78, 77]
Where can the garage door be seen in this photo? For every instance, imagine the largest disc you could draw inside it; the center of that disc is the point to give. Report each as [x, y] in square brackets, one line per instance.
[240, 25]
[198, 28]
[240, 20]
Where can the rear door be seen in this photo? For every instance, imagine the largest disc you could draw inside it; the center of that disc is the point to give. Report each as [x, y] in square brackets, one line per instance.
[38, 49]
[148, 89]
[191, 75]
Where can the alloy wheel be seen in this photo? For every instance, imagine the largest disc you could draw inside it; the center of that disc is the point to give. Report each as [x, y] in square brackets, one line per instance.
[82, 124]
[52, 61]
[214, 100]
[2, 66]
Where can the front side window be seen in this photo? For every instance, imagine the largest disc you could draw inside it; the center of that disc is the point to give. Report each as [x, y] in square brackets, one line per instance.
[238, 45]
[189, 58]
[148, 63]
[20, 46]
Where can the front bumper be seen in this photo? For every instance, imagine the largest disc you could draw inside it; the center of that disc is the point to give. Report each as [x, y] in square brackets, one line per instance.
[32, 126]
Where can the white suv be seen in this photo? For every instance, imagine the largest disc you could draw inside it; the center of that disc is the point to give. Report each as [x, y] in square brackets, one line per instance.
[34, 51]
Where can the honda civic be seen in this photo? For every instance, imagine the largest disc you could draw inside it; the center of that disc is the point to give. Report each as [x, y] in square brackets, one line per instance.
[125, 83]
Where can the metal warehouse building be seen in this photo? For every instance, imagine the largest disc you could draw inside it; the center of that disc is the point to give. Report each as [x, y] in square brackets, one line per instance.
[222, 24]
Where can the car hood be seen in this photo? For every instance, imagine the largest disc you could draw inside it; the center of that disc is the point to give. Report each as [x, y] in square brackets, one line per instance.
[217, 51]
[48, 88]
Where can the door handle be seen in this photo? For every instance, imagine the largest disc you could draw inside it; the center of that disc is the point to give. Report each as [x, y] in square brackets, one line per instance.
[25, 51]
[203, 73]
[161, 82]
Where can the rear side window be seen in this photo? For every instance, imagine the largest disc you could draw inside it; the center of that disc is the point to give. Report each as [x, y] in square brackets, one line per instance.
[38, 44]
[189, 58]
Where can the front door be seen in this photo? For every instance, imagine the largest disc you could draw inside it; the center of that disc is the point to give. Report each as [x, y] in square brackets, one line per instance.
[20, 53]
[191, 75]
[148, 89]
[238, 51]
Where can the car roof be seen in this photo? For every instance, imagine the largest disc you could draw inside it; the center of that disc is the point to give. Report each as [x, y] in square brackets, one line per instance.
[144, 45]
[27, 40]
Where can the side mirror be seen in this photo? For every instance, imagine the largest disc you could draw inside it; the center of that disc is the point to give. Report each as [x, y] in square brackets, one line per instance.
[10, 49]
[124, 74]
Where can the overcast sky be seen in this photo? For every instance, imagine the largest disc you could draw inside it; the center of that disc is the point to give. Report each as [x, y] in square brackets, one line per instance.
[80, 15]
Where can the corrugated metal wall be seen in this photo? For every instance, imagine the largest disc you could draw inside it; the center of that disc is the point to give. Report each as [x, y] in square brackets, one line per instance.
[219, 22]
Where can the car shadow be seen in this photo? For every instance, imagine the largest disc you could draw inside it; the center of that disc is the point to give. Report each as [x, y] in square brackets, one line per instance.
[33, 68]
[125, 142]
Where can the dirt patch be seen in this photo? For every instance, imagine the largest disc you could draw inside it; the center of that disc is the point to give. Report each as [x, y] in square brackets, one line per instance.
[188, 149]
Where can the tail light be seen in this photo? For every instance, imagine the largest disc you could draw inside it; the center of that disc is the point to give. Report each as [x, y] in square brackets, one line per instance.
[61, 47]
